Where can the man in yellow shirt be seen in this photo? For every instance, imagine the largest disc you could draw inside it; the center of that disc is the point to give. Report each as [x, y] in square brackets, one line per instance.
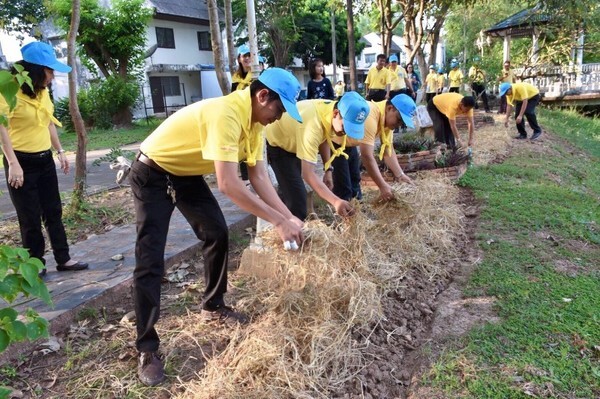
[441, 80]
[384, 117]
[378, 81]
[293, 148]
[506, 76]
[477, 77]
[431, 83]
[400, 83]
[443, 110]
[524, 97]
[210, 136]
[339, 90]
[455, 77]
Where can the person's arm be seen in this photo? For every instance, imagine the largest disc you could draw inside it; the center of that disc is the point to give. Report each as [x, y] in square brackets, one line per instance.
[325, 153]
[62, 158]
[342, 208]
[387, 91]
[522, 111]
[509, 109]
[229, 184]
[471, 123]
[408, 84]
[15, 172]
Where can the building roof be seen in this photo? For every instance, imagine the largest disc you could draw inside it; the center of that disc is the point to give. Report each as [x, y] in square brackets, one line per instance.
[182, 10]
[520, 24]
[374, 40]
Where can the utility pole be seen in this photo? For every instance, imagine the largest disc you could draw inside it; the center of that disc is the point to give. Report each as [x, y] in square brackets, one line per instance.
[333, 46]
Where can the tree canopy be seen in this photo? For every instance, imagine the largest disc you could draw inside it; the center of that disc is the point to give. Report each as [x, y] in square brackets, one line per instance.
[21, 15]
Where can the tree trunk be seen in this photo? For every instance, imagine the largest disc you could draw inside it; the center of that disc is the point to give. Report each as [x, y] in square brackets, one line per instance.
[351, 48]
[81, 156]
[231, 53]
[215, 38]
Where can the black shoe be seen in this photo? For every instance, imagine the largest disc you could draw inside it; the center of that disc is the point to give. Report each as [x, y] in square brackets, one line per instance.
[520, 137]
[536, 135]
[224, 315]
[43, 272]
[72, 268]
[150, 369]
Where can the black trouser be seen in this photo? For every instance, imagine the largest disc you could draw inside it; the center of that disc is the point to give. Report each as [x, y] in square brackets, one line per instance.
[244, 170]
[453, 89]
[479, 90]
[153, 209]
[394, 93]
[502, 109]
[37, 201]
[346, 174]
[376, 95]
[441, 125]
[529, 114]
[288, 171]
[429, 96]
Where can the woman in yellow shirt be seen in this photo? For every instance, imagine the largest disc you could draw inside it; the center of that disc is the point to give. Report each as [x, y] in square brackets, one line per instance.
[28, 163]
[243, 75]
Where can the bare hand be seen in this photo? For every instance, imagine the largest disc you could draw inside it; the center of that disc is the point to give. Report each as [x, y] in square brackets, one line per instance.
[64, 162]
[506, 122]
[328, 180]
[290, 231]
[386, 194]
[15, 176]
[519, 119]
[403, 179]
[343, 208]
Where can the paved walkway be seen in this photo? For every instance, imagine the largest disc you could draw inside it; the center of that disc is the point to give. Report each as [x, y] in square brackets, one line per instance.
[72, 291]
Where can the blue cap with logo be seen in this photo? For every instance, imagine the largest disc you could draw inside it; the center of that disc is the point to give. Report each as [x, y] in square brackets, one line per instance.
[393, 58]
[286, 85]
[354, 110]
[454, 64]
[407, 108]
[440, 70]
[243, 49]
[43, 54]
[504, 88]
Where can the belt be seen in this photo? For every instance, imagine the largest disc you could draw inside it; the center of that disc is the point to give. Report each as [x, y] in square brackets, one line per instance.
[149, 162]
[41, 154]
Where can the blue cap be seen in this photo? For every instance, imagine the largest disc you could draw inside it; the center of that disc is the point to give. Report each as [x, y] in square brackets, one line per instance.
[454, 64]
[354, 110]
[261, 59]
[286, 85]
[393, 58]
[243, 49]
[432, 67]
[440, 70]
[504, 88]
[43, 54]
[407, 108]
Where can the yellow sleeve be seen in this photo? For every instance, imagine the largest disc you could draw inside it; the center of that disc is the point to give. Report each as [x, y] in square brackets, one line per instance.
[223, 137]
[308, 140]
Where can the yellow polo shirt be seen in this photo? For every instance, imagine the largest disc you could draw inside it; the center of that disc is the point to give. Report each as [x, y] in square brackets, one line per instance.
[432, 82]
[455, 76]
[507, 77]
[398, 77]
[242, 82]
[447, 104]
[218, 129]
[476, 74]
[521, 91]
[303, 139]
[378, 79]
[28, 122]
[441, 81]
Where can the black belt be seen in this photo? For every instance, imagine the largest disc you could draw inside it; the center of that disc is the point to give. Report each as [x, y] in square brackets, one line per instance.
[41, 154]
[149, 162]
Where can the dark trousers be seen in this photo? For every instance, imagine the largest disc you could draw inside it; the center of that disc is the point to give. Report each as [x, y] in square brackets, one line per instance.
[429, 96]
[37, 201]
[288, 171]
[529, 114]
[479, 90]
[441, 125]
[453, 89]
[502, 109]
[153, 209]
[376, 95]
[346, 175]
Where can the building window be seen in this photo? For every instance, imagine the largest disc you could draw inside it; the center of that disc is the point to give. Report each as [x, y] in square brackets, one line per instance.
[369, 58]
[165, 37]
[204, 41]
[170, 85]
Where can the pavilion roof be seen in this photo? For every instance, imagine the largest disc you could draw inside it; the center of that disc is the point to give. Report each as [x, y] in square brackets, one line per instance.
[520, 24]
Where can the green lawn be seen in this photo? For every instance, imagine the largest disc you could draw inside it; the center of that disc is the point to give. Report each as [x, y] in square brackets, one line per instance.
[541, 210]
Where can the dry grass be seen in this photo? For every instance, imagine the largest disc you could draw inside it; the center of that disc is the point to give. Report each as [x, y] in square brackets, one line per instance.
[491, 142]
[300, 344]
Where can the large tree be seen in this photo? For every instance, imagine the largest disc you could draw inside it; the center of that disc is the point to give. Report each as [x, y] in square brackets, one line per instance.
[111, 40]
[21, 15]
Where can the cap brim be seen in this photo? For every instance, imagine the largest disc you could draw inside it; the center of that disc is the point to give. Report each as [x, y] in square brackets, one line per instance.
[408, 121]
[353, 130]
[291, 109]
[60, 67]
[503, 92]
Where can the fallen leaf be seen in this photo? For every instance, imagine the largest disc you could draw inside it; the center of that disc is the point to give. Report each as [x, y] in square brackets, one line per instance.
[117, 257]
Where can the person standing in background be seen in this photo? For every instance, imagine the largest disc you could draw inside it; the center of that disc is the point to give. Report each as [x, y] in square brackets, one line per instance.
[243, 75]
[378, 81]
[431, 82]
[441, 80]
[319, 86]
[400, 83]
[455, 77]
[415, 80]
[506, 76]
[339, 89]
[28, 164]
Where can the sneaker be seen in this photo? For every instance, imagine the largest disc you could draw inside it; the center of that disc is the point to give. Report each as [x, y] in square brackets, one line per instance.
[224, 315]
[536, 135]
[150, 369]
[520, 137]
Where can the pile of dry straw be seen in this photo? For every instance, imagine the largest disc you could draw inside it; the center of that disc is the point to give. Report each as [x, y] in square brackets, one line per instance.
[299, 343]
